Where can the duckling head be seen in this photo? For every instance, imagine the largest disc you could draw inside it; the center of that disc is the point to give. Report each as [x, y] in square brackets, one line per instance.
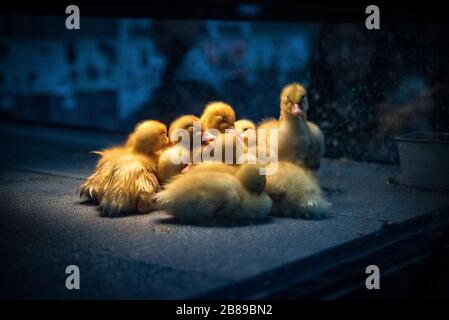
[148, 136]
[218, 115]
[243, 125]
[250, 177]
[185, 122]
[294, 100]
[245, 128]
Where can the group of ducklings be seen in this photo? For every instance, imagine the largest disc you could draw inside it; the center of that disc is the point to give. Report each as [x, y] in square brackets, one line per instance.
[141, 176]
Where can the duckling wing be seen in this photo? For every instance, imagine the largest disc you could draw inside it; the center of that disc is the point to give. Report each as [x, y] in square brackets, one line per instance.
[131, 179]
[316, 146]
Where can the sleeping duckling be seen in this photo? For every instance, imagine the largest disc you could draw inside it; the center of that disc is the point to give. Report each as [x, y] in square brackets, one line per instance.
[205, 193]
[307, 147]
[218, 115]
[295, 192]
[124, 179]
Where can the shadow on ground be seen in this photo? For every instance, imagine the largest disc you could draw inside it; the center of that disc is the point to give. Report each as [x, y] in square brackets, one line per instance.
[216, 222]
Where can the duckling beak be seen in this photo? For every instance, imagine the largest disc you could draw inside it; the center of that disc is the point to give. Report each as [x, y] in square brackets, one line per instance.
[187, 168]
[296, 110]
[168, 143]
[207, 137]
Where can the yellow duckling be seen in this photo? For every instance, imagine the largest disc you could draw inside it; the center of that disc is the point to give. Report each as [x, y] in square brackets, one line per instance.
[124, 179]
[208, 191]
[166, 168]
[299, 141]
[218, 119]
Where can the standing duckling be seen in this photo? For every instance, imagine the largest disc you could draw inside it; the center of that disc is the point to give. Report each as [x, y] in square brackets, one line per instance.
[205, 193]
[299, 141]
[124, 179]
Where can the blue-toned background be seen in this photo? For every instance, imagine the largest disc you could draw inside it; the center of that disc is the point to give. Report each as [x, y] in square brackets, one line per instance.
[365, 86]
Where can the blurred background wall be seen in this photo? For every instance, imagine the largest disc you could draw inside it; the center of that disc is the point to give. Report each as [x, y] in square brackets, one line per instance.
[365, 87]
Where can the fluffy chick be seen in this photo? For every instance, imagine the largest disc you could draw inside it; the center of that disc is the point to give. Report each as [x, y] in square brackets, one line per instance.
[218, 115]
[299, 140]
[166, 168]
[218, 119]
[205, 193]
[124, 179]
[293, 134]
[295, 193]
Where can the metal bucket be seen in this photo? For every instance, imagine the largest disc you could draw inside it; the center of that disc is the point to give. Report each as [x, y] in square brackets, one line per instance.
[424, 159]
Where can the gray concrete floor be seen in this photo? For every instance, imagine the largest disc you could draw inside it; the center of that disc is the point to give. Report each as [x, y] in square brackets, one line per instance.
[45, 226]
